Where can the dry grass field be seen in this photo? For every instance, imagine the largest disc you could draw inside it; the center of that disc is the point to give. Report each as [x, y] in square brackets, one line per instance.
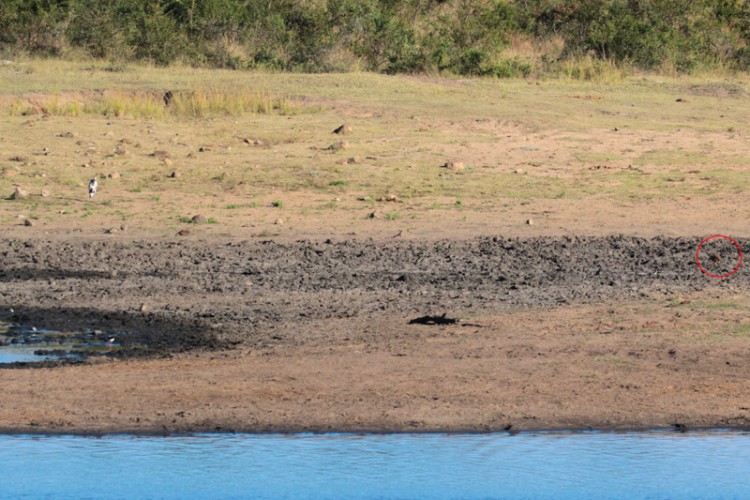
[254, 153]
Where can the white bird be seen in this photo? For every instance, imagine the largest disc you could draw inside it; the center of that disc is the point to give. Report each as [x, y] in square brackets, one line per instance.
[92, 187]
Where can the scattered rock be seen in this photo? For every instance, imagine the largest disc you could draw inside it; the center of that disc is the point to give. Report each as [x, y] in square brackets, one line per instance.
[254, 142]
[681, 99]
[278, 221]
[390, 198]
[68, 135]
[10, 172]
[109, 134]
[110, 230]
[44, 193]
[167, 162]
[113, 175]
[203, 149]
[28, 223]
[125, 140]
[456, 166]
[343, 129]
[19, 158]
[123, 227]
[529, 222]
[160, 153]
[198, 219]
[120, 150]
[375, 215]
[183, 232]
[19, 194]
[354, 159]
[520, 171]
[175, 174]
[337, 146]
[145, 308]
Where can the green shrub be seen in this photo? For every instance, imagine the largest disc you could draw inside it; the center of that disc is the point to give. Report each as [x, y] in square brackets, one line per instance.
[390, 36]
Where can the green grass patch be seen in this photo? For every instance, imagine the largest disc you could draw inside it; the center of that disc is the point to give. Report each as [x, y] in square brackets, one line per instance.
[741, 331]
[236, 206]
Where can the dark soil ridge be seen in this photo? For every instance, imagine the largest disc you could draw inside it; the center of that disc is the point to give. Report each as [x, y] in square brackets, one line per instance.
[192, 294]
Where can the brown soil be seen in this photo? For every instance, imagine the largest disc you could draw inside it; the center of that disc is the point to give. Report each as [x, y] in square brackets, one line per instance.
[551, 332]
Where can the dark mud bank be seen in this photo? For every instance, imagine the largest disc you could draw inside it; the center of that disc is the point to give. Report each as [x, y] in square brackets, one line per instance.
[183, 295]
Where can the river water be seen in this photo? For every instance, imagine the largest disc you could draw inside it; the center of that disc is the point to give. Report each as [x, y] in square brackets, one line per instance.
[528, 465]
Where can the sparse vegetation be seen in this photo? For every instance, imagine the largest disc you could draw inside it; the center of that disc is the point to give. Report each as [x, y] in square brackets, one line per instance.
[235, 206]
[559, 135]
[150, 105]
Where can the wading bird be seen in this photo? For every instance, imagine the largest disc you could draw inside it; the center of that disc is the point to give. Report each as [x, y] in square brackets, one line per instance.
[92, 187]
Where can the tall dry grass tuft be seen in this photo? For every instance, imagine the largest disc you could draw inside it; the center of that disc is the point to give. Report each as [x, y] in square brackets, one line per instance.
[150, 105]
[199, 103]
[591, 69]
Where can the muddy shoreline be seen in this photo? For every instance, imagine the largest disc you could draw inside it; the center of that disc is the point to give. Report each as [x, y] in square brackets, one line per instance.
[375, 431]
[187, 295]
[570, 333]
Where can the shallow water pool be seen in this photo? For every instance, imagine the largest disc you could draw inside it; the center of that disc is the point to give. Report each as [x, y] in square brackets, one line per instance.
[18, 354]
[535, 465]
[28, 344]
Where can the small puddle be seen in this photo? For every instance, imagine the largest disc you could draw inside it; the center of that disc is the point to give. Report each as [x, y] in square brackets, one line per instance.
[23, 344]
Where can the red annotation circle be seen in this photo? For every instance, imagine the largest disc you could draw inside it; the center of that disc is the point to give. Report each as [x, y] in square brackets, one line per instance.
[713, 237]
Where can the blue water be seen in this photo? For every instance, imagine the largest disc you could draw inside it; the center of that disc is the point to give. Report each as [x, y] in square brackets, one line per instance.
[539, 465]
[12, 354]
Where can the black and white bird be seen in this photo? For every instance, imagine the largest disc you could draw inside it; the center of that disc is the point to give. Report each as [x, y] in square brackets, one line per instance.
[92, 187]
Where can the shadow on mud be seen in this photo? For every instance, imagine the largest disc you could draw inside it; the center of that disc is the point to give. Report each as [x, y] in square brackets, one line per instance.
[72, 336]
[26, 274]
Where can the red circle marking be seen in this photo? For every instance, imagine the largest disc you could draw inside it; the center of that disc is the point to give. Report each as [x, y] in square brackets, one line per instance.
[698, 251]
